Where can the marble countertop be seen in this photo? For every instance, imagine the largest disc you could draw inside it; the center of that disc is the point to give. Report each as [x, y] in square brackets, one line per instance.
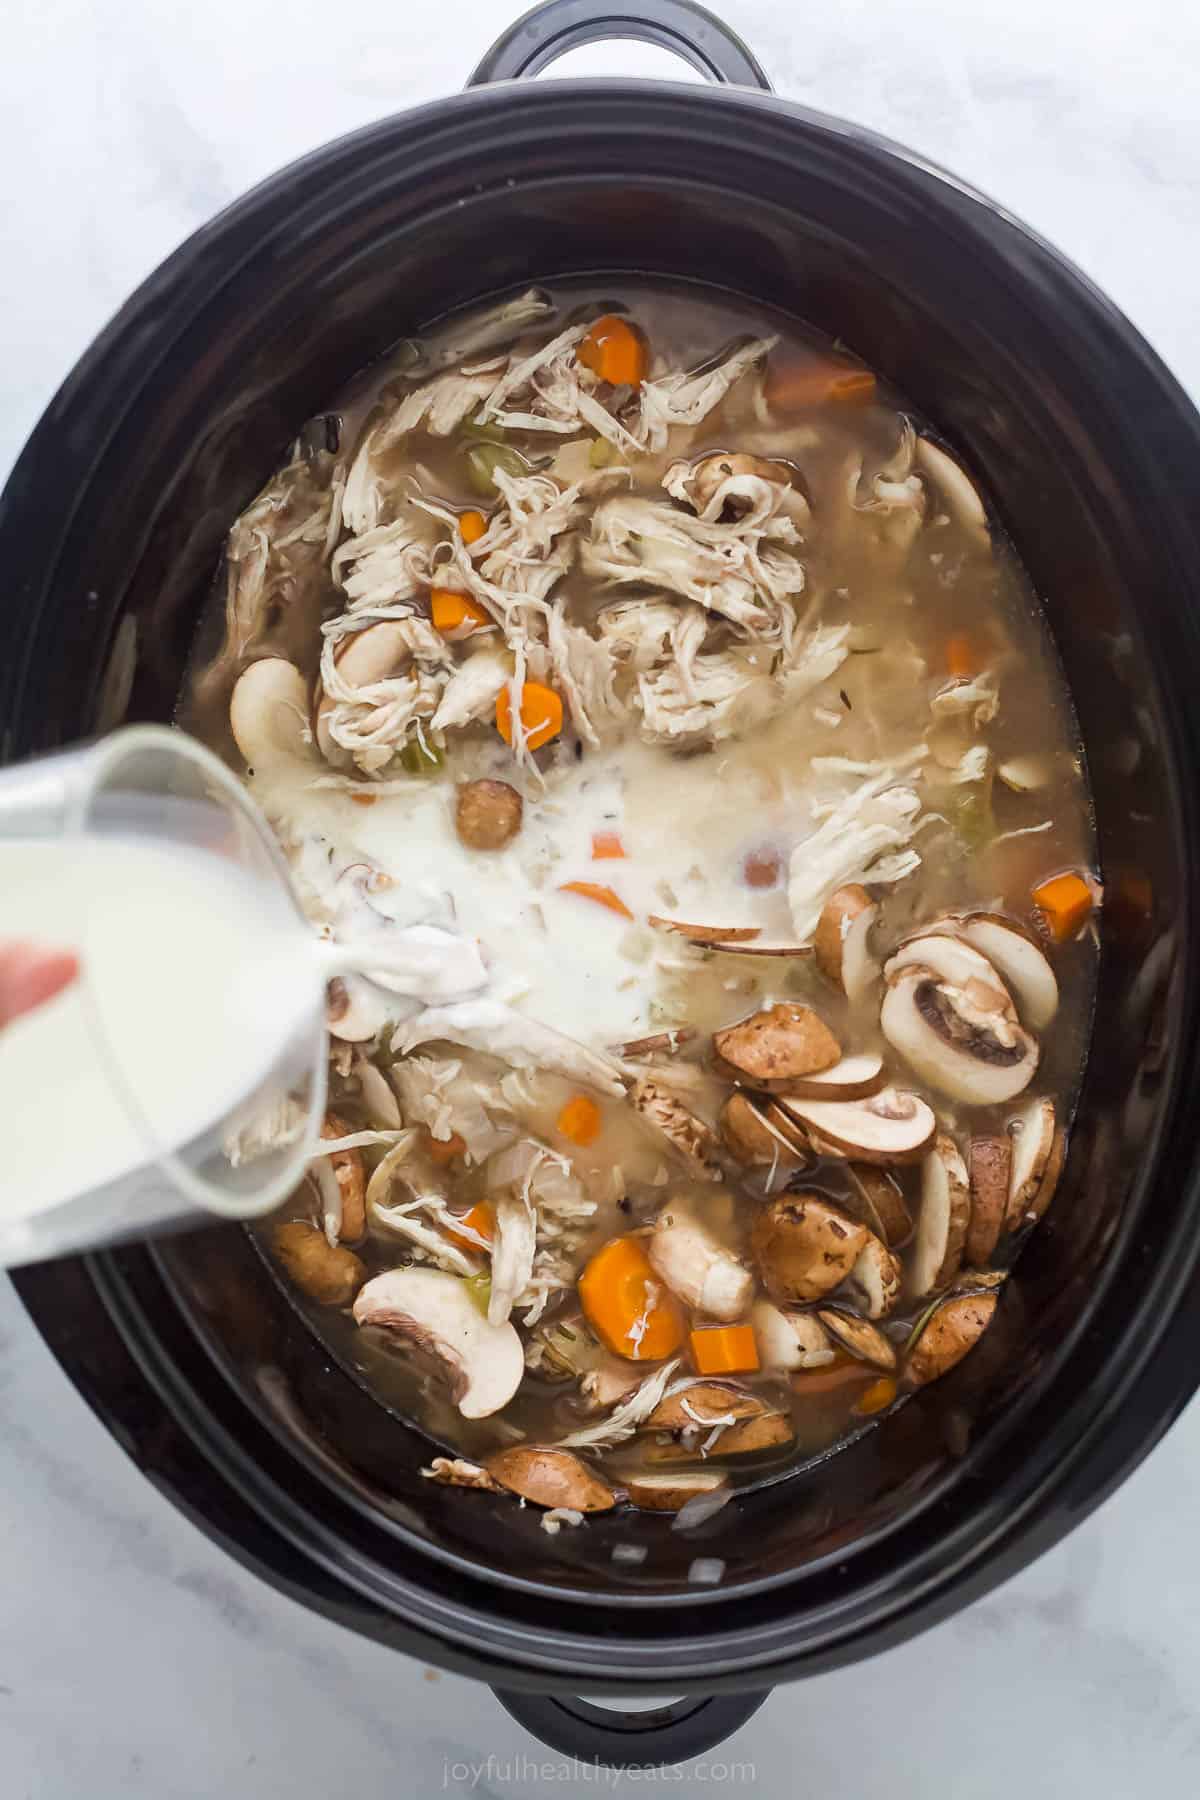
[134, 1657]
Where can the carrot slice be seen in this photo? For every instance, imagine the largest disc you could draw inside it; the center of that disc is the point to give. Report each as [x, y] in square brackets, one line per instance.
[878, 1397]
[796, 386]
[1065, 902]
[603, 896]
[627, 1306]
[481, 1219]
[606, 845]
[451, 610]
[471, 526]
[615, 350]
[445, 1150]
[541, 714]
[960, 658]
[724, 1350]
[580, 1120]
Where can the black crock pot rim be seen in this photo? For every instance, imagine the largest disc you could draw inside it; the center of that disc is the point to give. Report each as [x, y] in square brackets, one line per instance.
[324, 163]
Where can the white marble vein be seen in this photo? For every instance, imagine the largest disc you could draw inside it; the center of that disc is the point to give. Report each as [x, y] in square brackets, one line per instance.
[136, 1659]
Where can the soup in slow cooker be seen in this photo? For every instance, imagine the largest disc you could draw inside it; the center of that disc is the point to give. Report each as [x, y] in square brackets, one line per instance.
[651, 687]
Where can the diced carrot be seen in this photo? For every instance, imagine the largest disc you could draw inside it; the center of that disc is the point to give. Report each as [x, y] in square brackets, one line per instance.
[481, 1219]
[606, 845]
[878, 1397]
[626, 1304]
[842, 1372]
[960, 657]
[603, 896]
[615, 350]
[798, 385]
[541, 714]
[446, 1150]
[363, 799]
[450, 610]
[580, 1120]
[1065, 903]
[471, 525]
[724, 1350]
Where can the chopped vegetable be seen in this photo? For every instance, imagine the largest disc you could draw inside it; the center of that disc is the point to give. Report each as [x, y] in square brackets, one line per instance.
[960, 656]
[420, 757]
[1064, 903]
[481, 1219]
[878, 1397]
[628, 1308]
[724, 1350]
[796, 386]
[362, 799]
[615, 350]
[972, 816]
[580, 1120]
[541, 714]
[606, 846]
[472, 526]
[603, 896]
[446, 1150]
[479, 1290]
[450, 610]
[484, 459]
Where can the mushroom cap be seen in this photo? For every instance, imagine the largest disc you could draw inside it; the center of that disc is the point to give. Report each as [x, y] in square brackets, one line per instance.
[964, 1041]
[887, 1127]
[268, 712]
[355, 1009]
[668, 1493]
[751, 1137]
[1033, 1132]
[841, 940]
[1020, 961]
[884, 1207]
[787, 1339]
[706, 1402]
[859, 1337]
[989, 1161]
[482, 1363]
[550, 1477]
[325, 1272]
[804, 1247]
[942, 1224]
[941, 951]
[874, 1282]
[697, 1267]
[954, 1328]
[487, 814]
[747, 1438]
[851, 1078]
[776, 1045]
[694, 1141]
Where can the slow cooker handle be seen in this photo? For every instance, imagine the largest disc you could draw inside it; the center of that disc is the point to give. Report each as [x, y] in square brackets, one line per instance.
[673, 1733]
[689, 30]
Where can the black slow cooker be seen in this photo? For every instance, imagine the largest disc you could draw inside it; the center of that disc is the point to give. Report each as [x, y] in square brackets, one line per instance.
[110, 528]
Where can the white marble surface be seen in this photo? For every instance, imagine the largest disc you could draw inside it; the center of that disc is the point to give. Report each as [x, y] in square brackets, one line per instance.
[134, 1658]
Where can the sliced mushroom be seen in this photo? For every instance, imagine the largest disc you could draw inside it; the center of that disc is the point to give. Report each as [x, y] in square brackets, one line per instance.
[355, 1009]
[888, 1127]
[989, 1163]
[883, 1205]
[483, 1364]
[787, 1339]
[944, 954]
[873, 1284]
[771, 1048]
[954, 1328]
[747, 1438]
[1033, 1132]
[701, 482]
[268, 712]
[752, 1138]
[942, 1225]
[370, 655]
[670, 1493]
[550, 1478]
[804, 1247]
[325, 1272]
[841, 938]
[694, 1141]
[859, 1337]
[1012, 951]
[852, 1078]
[1050, 1180]
[487, 814]
[707, 934]
[351, 1182]
[662, 1043]
[966, 1041]
[704, 1403]
[697, 1267]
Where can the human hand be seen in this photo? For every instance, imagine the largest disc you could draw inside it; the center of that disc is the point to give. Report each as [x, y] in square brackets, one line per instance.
[30, 975]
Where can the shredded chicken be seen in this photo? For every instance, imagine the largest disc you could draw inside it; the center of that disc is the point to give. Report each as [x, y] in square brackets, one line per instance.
[852, 843]
[493, 1027]
[451, 1099]
[624, 1419]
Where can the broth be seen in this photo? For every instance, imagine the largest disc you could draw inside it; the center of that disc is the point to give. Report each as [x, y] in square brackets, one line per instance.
[785, 689]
